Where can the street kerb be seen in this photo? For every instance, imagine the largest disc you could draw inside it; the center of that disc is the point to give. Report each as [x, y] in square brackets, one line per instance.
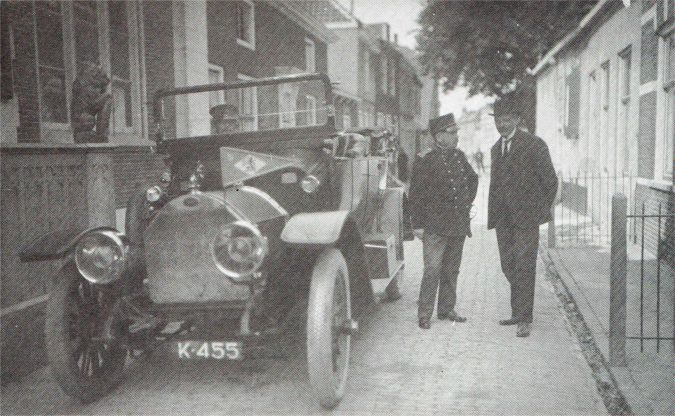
[613, 384]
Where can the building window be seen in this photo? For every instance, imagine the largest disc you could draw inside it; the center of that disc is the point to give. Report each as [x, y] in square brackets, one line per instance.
[311, 110]
[120, 65]
[216, 75]
[572, 104]
[593, 116]
[67, 38]
[51, 62]
[85, 19]
[391, 82]
[623, 116]
[310, 55]
[346, 119]
[366, 71]
[246, 24]
[385, 75]
[605, 85]
[669, 119]
[624, 74]
[248, 106]
[381, 122]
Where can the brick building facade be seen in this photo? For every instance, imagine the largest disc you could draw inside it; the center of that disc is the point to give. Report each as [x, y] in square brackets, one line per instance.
[49, 181]
[375, 76]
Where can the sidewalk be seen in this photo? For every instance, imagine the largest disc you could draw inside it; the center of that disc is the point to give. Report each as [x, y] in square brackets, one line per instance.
[397, 369]
[647, 381]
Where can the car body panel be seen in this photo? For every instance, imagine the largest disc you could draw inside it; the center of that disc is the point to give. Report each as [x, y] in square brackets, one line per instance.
[56, 244]
[320, 228]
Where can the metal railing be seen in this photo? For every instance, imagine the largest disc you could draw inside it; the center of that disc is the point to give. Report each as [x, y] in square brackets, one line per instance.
[582, 213]
[651, 271]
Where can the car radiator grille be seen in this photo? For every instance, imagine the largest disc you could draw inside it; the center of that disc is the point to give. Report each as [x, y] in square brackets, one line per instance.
[178, 256]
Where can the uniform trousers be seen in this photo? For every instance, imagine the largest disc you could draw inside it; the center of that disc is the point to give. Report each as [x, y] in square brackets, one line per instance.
[442, 257]
[518, 256]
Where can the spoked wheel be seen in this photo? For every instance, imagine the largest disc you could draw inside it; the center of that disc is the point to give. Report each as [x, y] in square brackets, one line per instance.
[84, 357]
[329, 327]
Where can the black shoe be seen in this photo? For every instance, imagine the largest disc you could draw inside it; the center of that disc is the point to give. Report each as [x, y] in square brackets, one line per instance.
[524, 329]
[452, 316]
[510, 321]
[425, 323]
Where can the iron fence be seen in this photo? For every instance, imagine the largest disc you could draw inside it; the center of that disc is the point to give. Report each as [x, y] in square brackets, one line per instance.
[582, 212]
[650, 267]
[636, 278]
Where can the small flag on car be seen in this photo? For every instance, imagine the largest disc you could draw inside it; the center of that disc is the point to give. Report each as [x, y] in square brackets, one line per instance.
[237, 165]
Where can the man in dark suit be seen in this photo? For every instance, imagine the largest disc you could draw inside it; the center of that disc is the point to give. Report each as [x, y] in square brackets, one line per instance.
[442, 189]
[523, 186]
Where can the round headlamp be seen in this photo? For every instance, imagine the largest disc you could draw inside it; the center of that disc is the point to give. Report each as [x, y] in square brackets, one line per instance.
[238, 250]
[100, 256]
[153, 194]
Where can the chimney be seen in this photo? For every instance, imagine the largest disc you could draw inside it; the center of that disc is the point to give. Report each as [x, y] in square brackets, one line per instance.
[395, 38]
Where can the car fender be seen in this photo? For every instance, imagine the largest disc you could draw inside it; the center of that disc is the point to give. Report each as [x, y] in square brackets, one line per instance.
[314, 228]
[337, 229]
[55, 244]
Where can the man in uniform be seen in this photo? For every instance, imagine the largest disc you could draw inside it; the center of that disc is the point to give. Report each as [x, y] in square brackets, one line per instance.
[523, 186]
[225, 118]
[442, 189]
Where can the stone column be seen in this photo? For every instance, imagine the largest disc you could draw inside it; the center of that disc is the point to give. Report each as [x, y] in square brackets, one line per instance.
[100, 188]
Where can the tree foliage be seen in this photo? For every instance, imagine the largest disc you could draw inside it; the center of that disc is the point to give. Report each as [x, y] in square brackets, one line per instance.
[489, 45]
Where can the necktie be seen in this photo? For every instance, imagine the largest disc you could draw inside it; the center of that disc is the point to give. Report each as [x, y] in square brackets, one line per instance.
[507, 143]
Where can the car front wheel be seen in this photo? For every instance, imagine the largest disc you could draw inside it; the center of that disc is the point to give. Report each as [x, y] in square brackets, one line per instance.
[83, 355]
[329, 324]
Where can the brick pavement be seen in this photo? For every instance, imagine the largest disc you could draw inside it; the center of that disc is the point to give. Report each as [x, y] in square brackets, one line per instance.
[477, 367]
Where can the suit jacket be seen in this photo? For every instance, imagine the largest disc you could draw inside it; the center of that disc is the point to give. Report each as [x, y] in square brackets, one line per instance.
[442, 189]
[523, 184]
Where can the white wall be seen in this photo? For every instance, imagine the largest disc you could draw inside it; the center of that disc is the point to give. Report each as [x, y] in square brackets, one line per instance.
[343, 60]
[191, 67]
[597, 147]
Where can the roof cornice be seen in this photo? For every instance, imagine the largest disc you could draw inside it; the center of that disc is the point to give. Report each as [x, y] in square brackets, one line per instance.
[584, 25]
[307, 22]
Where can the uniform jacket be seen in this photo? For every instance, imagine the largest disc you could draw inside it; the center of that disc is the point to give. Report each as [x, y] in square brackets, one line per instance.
[523, 184]
[442, 189]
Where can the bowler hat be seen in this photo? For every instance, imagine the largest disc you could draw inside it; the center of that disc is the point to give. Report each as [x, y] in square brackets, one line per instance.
[225, 112]
[506, 104]
[442, 123]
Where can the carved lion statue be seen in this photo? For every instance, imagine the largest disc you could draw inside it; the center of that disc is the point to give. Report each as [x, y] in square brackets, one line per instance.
[92, 105]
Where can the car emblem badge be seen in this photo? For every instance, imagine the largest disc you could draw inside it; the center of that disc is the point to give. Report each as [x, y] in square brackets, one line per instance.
[250, 164]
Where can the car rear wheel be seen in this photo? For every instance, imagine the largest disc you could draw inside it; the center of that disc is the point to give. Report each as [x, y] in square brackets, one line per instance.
[85, 361]
[329, 323]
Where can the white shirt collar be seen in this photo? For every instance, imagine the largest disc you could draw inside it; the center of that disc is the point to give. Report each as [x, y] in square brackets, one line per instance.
[510, 136]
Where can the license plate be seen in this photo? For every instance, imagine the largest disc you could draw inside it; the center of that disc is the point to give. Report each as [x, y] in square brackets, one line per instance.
[218, 350]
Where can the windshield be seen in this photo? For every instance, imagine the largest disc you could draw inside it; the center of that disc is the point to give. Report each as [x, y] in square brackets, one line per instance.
[245, 106]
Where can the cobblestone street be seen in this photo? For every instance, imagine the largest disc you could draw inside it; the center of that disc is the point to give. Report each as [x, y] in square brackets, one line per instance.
[477, 368]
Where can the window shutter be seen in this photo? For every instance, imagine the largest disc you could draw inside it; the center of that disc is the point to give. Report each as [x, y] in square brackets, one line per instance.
[573, 104]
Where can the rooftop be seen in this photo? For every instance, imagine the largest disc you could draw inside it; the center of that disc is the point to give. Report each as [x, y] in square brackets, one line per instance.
[326, 11]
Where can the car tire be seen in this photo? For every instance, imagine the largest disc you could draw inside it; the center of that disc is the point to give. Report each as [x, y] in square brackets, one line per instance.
[328, 310]
[84, 369]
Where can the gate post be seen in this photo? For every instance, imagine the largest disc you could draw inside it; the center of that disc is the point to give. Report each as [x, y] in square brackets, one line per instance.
[617, 283]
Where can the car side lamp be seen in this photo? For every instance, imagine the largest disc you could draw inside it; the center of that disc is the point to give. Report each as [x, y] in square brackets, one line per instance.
[310, 184]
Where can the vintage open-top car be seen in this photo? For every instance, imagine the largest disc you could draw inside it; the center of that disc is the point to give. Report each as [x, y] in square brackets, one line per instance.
[265, 213]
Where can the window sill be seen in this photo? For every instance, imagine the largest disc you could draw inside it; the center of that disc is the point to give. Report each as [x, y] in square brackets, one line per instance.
[656, 184]
[246, 44]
